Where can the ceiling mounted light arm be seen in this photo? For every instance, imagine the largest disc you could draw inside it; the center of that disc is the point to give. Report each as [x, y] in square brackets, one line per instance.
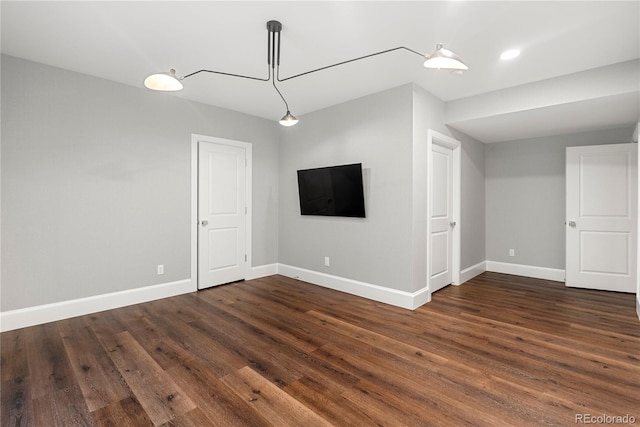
[240, 75]
[343, 62]
[168, 81]
[229, 74]
[441, 58]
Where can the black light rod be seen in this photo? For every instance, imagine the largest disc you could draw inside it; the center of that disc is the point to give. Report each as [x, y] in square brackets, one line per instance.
[273, 49]
[346, 62]
[278, 48]
[268, 46]
[230, 74]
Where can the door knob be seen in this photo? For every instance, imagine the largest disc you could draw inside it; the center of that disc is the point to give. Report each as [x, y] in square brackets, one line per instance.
[572, 223]
[452, 224]
[204, 222]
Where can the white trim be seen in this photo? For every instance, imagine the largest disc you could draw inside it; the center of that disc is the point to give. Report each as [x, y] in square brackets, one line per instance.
[471, 272]
[31, 316]
[390, 296]
[442, 140]
[195, 138]
[193, 214]
[39, 314]
[526, 270]
[262, 271]
[420, 297]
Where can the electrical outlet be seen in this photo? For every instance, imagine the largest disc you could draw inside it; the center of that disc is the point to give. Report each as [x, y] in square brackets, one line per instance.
[326, 261]
[161, 269]
[512, 252]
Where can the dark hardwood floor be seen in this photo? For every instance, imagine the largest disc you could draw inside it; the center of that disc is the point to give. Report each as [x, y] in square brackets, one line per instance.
[499, 350]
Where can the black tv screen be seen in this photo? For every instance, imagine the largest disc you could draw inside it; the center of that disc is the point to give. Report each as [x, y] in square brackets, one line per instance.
[332, 191]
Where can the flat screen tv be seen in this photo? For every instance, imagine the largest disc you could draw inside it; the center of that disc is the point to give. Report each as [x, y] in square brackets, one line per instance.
[332, 191]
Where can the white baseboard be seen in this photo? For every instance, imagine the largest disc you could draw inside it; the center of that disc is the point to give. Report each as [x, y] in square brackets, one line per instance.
[471, 272]
[39, 314]
[526, 270]
[409, 300]
[262, 271]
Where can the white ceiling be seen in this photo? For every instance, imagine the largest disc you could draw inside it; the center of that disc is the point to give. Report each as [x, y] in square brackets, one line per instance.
[126, 41]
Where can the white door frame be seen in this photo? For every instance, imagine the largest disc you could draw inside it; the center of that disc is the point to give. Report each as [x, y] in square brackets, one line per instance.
[635, 139]
[437, 138]
[194, 198]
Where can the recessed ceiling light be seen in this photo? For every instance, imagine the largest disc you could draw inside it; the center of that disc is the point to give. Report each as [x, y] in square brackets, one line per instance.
[509, 54]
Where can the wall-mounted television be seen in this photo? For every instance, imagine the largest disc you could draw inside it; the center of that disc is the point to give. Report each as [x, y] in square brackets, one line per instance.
[332, 191]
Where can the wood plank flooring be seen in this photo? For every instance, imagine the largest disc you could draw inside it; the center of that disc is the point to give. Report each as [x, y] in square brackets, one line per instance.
[499, 350]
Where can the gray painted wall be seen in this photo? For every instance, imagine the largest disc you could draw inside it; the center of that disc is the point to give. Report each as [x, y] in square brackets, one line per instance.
[525, 196]
[428, 113]
[472, 203]
[387, 133]
[96, 183]
[375, 131]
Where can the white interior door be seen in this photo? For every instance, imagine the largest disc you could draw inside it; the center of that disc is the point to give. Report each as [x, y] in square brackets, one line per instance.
[601, 230]
[440, 257]
[222, 214]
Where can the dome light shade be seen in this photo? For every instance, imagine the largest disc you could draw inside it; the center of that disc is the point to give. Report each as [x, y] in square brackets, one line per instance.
[166, 82]
[444, 59]
[288, 119]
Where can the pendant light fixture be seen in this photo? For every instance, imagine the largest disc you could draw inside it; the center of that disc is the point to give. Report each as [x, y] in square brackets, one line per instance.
[288, 119]
[169, 81]
[444, 58]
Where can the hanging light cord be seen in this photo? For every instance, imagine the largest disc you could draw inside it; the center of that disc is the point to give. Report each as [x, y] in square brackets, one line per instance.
[278, 90]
